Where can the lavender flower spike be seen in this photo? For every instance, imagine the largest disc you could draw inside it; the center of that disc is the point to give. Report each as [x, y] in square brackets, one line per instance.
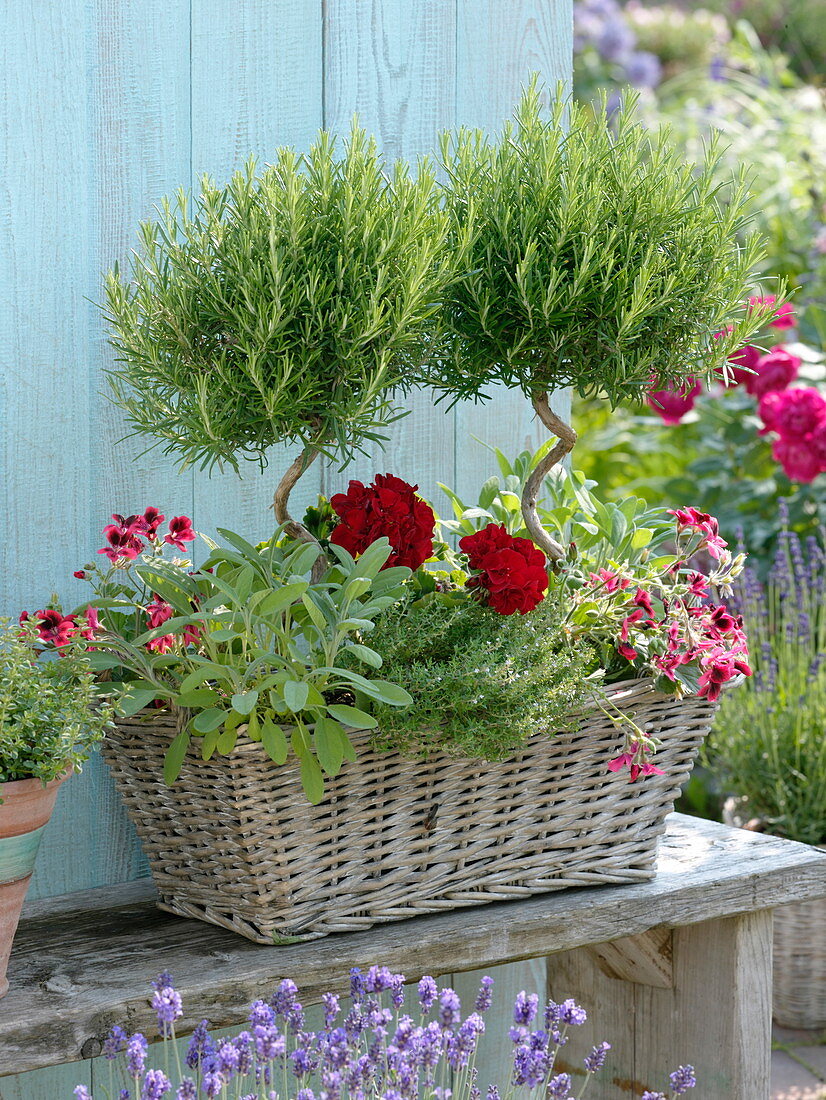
[682, 1079]
[155, 1085]
[82, 1093]
[596, 1059]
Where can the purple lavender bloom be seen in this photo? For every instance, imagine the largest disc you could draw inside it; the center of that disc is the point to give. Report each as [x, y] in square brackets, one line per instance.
[227, 1058]
[261, 1014]
[243, 1044]
[155, 1085]
[682, 1079]
[615, 40]
[269, 1042]
[331, 1008]
[464, 1042]
[427, 993]
[654, 1096]
[643, 69]
[596, 1059]
[114, 1043]
[212, 1084]
[301, 1062]
[450, 1010]
[166, 1002]
[571, 1013]
[356, 984]
[123, 1094]
[717, 68]
[187, 1090]
[559, 1087]
[525, 1007]
[529, 1066]
[484, 997]
[82, 1093]
[518, 1033]
[199, 1045]
[305, 1094]
[136, 1054]
[163, 980]
[493, 1093]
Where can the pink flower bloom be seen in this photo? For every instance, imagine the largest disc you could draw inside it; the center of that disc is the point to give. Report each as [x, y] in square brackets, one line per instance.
[672, 405]
[92, 624]
[643, 599]
[818, 445]
[703, 522]
[799, 459]
[180, 532]
[768, 408]
[784, 317]
[193, 634]
[624, 760]
[151, 521]
[697, 585]
[799, 413]
[774, 371]
[122, 538]
[744, 364]
[626, 650]
[609, 580]
[162, 644]
[52, 626]
[158, 612]
[80, 574]
[636, 762]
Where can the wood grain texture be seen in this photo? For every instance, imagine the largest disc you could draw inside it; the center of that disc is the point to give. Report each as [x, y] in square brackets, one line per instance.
[716, 1018]
[135, 149]
[256, 85]
[646, 959]
[80, 964]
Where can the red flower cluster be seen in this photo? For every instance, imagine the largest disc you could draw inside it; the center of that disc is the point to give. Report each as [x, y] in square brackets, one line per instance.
[159, 612]
[59, 629]
[761, 374]
[388, 508]
[783, 318]
[511, 570]
[126, 535]
[798, 416]
[637, 762]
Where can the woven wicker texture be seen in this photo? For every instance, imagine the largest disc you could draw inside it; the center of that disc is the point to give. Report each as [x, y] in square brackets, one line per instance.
[799, 981]
[235, 842]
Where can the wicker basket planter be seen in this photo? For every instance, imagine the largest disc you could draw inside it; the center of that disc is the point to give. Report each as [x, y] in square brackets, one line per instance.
[799, 969]
[234, 841]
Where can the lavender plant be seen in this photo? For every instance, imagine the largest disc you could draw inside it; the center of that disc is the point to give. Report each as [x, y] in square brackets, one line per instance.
[372, 1049]
[768, 744]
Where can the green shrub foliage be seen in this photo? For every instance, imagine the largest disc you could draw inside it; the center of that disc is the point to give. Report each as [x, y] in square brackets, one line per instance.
[594, 257]
[287, 306]
[482, 684]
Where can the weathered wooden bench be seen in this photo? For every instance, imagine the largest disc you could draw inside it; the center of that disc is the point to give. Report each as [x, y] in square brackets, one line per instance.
[671, 971]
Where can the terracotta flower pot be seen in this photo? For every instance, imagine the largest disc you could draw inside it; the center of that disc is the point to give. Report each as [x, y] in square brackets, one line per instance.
[24, 812]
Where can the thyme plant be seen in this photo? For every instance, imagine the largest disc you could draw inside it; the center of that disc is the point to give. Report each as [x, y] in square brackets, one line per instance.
[593, 257]
[288, 306]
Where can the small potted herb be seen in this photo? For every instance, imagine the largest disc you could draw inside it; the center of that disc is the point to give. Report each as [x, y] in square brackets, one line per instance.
[49, 722]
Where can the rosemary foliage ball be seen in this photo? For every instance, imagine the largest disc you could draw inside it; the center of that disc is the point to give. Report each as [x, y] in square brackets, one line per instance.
[288, 306]
[594, 257]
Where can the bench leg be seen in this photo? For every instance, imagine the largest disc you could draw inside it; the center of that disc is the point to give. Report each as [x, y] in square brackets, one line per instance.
[716, 1016]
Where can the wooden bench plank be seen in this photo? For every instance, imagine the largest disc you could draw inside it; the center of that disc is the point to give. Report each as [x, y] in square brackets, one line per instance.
[84, 962]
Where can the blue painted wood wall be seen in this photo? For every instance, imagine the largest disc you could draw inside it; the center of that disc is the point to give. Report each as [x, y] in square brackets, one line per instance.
[109, 105]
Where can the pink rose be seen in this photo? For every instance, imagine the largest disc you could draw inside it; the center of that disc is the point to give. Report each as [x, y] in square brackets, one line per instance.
[798, 458]
[773, 371]
[744, 364]
[768, 407]
[799, 412]
[672, 405]
[784, 317]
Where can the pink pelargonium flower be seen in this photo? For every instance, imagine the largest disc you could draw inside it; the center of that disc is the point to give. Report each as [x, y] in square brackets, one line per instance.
[180, 532]
[151, 520]
[773, 371]
[158, 612]
[672, 405]
[162, 644]
[609, 580]
[799, 412]
[705, 524]
[635, 760]
[123, 539]
[720, 665]
[92, 624]
[52, 626]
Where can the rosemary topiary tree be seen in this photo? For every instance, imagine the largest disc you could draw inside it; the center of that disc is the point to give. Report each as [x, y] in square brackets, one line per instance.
[592, 257]
[288, 306]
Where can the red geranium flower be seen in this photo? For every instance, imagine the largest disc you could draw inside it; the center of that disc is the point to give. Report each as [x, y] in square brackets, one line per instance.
[52, 626]
[511, 570]
[180, 532]
[389, 508]
[151, 521]
[122, 536]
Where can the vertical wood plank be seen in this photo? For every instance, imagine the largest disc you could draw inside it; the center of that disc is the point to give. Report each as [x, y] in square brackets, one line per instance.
[256, 85]
[498, 47]
[134, 148]
[393, 63]
[54, 1083]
